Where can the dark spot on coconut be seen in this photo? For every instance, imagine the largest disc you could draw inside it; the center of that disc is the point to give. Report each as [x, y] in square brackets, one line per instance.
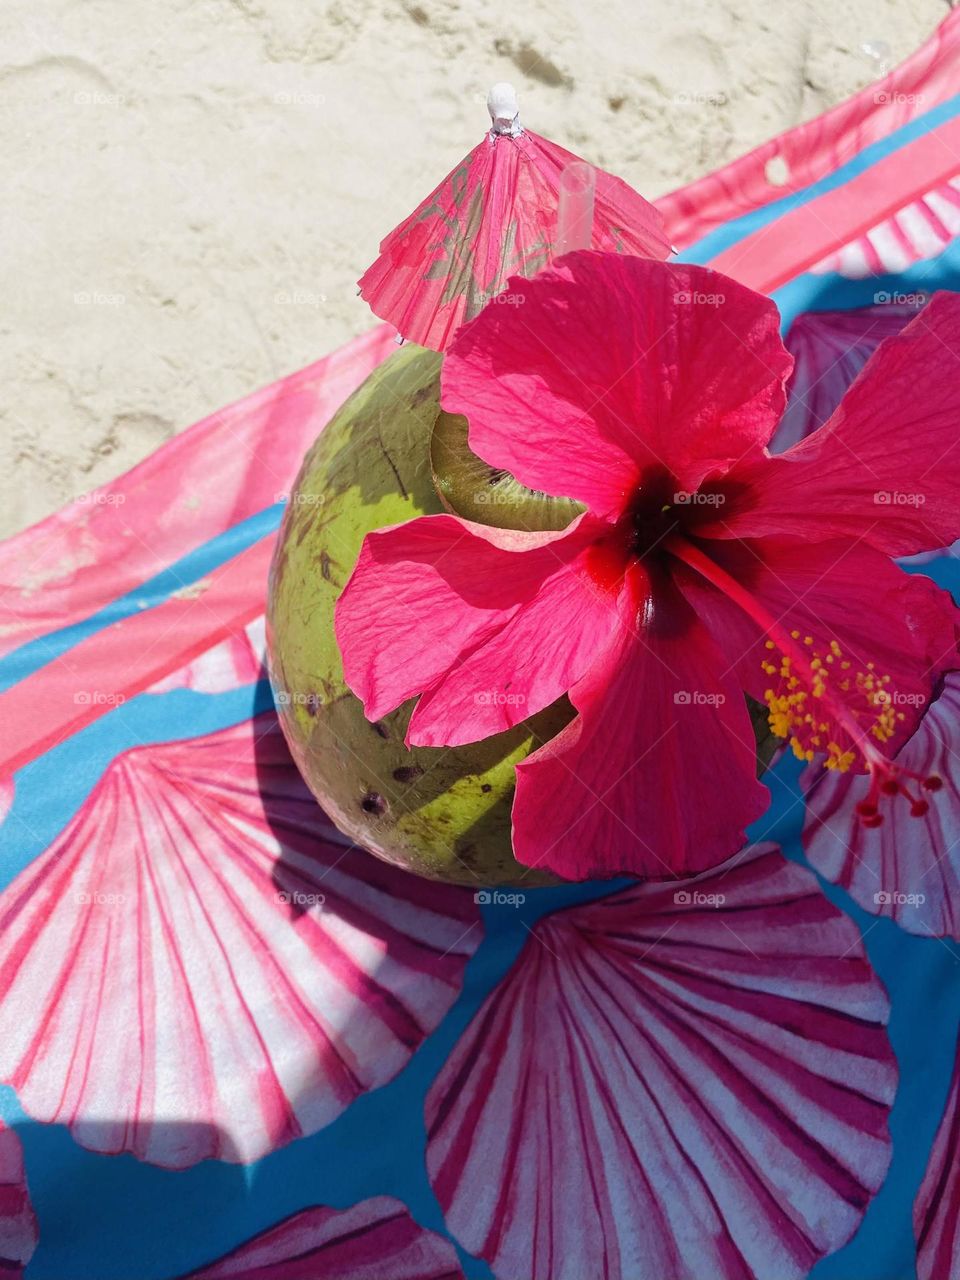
[313, 703]
[407, 773]
[393, 467]
[373, 802]
[616, 102]
[486, 787]
[325, 563]
[427, 392]
[381, 730]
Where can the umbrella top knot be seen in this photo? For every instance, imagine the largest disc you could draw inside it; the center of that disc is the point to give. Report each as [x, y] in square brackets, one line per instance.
[504, 109]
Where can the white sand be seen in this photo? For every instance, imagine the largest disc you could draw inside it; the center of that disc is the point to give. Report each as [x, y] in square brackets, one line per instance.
[175, 173]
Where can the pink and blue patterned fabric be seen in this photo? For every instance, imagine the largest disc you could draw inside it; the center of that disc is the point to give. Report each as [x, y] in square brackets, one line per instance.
[234, 1045]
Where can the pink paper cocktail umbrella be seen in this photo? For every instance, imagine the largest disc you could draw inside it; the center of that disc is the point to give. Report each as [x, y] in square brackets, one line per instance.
[510, 207]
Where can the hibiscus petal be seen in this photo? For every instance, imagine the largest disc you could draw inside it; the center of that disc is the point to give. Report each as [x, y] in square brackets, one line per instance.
[490, 624]
[673, 1081]
[909, 868]
[621, 788]
[545, 648]
[903, 623]
[606, 366]
[885, 468]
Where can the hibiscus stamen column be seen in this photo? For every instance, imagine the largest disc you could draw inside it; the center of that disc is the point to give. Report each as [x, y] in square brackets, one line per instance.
[804, 677]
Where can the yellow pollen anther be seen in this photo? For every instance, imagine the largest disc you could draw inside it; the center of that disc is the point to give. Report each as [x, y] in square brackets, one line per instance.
[862, 693]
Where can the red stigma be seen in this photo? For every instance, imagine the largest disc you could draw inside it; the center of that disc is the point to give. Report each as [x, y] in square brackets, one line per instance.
[890, 779]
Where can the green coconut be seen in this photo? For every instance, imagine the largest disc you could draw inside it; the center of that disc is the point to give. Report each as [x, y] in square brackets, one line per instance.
[471, 488]
[443, 813]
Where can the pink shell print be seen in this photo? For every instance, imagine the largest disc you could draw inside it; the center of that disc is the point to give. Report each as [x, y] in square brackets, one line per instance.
[683, 1079]
[234, 662]
[829, 349]
[921, 229]
[936, 1211]
[201, 966]
[374, 1240]
[908, 868]
[18, 1226]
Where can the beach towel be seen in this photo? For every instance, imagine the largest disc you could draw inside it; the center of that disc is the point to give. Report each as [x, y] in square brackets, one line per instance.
[232, 1044]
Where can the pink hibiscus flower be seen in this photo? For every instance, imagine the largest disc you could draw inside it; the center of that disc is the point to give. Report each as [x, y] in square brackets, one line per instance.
[703, 568]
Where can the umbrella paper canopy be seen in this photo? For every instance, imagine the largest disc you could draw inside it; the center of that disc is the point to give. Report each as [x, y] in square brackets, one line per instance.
[495, 215]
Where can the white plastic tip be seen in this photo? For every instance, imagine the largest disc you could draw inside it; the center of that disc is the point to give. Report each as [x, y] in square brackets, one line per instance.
[503, 106]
